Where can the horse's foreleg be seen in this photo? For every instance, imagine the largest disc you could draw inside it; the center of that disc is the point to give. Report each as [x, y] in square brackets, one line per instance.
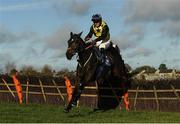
[75, 96]
[77, 93]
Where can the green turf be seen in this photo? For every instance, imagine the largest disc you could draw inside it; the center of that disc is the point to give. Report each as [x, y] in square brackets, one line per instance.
[53, 113]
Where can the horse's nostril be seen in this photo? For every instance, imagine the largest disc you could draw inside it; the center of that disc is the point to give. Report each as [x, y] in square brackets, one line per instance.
[69, 53]
[69, 48]
[68, 56]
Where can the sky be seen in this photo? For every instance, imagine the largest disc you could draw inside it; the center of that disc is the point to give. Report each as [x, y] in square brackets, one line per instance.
[35, 32]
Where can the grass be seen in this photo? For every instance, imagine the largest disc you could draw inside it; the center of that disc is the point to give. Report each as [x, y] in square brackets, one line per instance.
[34, 113]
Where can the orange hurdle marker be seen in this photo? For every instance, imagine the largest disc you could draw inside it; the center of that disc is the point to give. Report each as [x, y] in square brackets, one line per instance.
[68, 88]
[18, 87]
[126, 101]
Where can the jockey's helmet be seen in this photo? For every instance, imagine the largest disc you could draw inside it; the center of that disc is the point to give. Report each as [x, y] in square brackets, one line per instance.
[96, 18]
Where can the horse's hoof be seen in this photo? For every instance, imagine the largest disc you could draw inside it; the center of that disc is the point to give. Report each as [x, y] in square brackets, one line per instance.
[66, 110]
[74, 104]
[96, 109]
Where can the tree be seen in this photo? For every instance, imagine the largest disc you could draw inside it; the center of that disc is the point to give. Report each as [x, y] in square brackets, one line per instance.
[162, 67]
[148, 69]
[28, 70]
[129, 68]
[66, 72]
[63, 72]
[47, 70]
[9, 66]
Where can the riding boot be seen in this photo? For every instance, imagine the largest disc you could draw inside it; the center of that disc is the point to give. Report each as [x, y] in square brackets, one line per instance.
[105, 59]
[98, 54]
[104, 68]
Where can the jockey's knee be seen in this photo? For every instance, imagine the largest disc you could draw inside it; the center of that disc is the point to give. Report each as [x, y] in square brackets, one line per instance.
[102, 50]
[105, 45]
[102, 46]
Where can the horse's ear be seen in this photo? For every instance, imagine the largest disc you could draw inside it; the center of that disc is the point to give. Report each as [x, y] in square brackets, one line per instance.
[71, 34]
[80, 34]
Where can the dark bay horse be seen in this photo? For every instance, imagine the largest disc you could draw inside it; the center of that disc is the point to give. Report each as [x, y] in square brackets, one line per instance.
[88, 63]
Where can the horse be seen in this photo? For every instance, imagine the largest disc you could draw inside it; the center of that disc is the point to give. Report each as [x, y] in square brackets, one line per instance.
[88, 63]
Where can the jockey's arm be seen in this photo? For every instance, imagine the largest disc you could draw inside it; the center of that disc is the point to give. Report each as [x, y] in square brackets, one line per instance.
[89, 35]
[104, 34]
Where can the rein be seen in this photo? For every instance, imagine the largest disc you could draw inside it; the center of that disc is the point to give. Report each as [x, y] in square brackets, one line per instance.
[86, 61]
[88, 47]
[88, 57]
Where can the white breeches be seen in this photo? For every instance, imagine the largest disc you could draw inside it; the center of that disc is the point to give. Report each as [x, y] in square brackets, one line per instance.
[104, 45]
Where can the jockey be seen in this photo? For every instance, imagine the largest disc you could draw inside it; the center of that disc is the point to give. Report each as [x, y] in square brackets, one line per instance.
[101, 31]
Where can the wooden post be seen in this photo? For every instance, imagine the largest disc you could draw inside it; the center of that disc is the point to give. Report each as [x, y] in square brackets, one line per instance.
[59, 92]
[155, 94]
[135, 100]
[176, 94]
[42, 90]
[8, 88]
[27, 90]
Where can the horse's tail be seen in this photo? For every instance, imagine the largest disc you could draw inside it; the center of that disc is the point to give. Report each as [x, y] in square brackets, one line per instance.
[115, 47]
[119, 65]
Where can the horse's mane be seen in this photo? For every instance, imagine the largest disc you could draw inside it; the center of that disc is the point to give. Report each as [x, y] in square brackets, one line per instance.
[86, 44]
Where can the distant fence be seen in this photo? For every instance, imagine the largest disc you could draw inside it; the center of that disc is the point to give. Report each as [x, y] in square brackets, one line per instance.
[55, 92]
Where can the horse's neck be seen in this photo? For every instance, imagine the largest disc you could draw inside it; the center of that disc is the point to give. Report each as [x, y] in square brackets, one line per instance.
[85, 55]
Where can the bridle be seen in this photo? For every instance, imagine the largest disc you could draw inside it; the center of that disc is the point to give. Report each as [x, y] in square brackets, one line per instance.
[81, 50]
